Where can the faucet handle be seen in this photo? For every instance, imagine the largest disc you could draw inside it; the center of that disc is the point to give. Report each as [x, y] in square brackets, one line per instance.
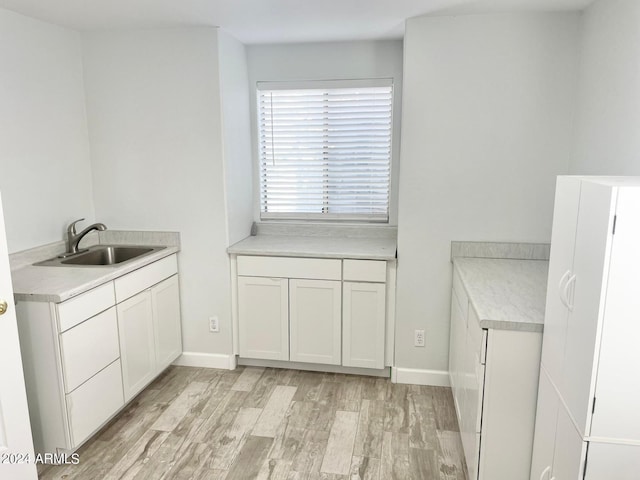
[72, 226]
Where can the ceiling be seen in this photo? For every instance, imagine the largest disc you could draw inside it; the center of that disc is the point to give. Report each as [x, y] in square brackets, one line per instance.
[269, 21]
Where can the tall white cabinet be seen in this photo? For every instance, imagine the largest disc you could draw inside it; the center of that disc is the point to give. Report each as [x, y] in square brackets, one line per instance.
[588, 420]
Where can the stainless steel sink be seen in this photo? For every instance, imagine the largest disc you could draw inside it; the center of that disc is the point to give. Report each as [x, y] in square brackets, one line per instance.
[107, 256]
[101, 255]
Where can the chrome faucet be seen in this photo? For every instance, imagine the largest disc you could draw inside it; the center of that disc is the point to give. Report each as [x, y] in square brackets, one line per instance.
[73, 238]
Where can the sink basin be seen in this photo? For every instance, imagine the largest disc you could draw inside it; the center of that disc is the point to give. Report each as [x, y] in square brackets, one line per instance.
[107, 256]
[101, 256]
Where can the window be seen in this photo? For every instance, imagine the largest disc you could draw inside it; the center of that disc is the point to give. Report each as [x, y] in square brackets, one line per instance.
[325, 150]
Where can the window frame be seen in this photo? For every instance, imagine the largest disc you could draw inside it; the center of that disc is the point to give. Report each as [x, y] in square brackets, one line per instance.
[318, 85]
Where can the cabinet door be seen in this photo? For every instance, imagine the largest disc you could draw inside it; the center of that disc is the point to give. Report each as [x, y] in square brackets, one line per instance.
[137, 343]
[590, 267]
[263, 318]
[565, 219]
[509, 404]
[616, 412]
[569, 451]
[165, 299]
[363, 321]
[315, 321]
[544, 440]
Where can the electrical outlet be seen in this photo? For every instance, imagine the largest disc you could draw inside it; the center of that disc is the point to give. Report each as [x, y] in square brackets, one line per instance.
[418, 338]
[214, 324]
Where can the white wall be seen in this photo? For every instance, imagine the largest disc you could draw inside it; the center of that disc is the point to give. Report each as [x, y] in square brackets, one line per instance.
[487, 126]
[45, 173]
[153, 106]
[608, 133]
[236, 135]
[329, 61]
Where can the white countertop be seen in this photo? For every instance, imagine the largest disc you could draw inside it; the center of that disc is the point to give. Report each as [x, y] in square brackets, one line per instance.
[506, 294]
[372, 248]
[57, 284]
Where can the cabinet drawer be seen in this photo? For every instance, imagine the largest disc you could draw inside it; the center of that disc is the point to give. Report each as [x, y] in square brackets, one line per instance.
[365, 271]
[94, 402]
[477, 336]
[89, 347]
[290, 267]
[478, 390]
[78, 309]
[461, 293]
[128, 285]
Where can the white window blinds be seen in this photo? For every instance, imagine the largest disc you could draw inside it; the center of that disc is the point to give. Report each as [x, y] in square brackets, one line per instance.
[325, 152]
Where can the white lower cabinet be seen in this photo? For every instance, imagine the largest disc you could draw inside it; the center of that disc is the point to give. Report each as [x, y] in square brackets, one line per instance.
[494, 379]
[363, 324]
[309, 310]
[264, 317]
[85, 358]
[315, 321]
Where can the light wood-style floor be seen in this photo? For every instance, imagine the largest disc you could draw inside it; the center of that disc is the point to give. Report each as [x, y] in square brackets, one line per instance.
[265, 423]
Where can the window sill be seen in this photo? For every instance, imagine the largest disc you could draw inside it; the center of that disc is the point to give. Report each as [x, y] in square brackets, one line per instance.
[374, 242]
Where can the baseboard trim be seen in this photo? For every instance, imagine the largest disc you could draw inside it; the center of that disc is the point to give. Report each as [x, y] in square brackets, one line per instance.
[314, 367]
[413, 376]
[206, 360]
